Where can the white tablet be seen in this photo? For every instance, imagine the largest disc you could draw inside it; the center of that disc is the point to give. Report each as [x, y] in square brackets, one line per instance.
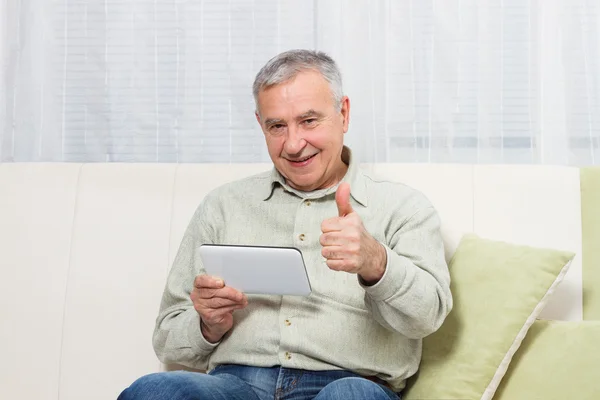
[257, 269]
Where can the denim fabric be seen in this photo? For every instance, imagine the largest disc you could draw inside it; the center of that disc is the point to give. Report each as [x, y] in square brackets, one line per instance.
[233, 382]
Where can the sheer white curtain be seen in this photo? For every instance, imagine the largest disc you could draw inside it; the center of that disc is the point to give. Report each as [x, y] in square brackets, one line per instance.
[485, 81]
[3, 70]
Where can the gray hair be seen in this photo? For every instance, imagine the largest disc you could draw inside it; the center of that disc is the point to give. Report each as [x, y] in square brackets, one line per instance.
[287, 65]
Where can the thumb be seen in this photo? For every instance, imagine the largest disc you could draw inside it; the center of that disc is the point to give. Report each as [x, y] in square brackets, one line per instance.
[342, 199]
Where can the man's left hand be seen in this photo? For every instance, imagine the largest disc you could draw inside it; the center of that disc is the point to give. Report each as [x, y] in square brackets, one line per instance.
[348, 246]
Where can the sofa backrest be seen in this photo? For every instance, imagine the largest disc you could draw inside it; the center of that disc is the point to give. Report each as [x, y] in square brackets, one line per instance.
[85, 250]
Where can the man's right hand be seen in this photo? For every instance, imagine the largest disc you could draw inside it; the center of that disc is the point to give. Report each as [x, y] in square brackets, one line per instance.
[215, 303]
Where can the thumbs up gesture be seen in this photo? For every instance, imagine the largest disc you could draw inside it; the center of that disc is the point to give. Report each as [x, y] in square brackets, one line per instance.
[347, 246]
[342, 199]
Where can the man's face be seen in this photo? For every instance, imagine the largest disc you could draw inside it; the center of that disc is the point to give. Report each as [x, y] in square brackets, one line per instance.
[304, 130]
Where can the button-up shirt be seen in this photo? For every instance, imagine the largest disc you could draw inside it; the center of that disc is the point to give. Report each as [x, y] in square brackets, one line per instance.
[375, 331]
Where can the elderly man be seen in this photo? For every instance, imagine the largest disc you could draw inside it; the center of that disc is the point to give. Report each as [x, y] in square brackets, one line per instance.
[373, 252]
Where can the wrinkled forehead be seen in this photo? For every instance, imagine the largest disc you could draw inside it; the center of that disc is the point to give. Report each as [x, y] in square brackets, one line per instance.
[306, 91]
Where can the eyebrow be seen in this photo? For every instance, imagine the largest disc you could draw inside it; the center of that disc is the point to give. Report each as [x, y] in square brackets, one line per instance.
[307, 114]
[310, 113]
[273, 121]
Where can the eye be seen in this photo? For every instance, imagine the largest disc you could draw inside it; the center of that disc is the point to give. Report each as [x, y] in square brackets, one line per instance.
[310, 121]
[276, 128]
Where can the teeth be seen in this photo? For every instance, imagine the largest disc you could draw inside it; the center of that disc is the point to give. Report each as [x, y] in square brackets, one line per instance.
[304, 159]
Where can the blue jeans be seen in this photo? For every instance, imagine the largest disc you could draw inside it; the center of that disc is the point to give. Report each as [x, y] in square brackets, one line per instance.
[233, 382]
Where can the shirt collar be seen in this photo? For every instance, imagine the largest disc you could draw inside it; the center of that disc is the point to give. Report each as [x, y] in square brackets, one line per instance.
[353, 176]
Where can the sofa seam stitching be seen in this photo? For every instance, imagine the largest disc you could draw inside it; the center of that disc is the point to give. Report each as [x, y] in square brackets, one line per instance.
[64, 311]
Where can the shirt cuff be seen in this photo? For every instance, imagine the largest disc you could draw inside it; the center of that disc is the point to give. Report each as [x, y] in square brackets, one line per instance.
[391, 281]
[196, 339]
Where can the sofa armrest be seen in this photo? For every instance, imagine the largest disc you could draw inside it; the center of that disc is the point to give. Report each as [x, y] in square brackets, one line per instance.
[557, 360]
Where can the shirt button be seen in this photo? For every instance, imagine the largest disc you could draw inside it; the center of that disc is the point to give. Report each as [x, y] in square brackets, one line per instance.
[287, 322]
[308, 203]
[301, 236]
[288, 356]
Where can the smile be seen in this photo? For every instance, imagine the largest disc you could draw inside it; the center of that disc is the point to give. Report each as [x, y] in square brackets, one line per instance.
[302, 161]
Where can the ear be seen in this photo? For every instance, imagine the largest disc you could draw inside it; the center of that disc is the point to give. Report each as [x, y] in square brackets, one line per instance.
[257, 118]
[345, 113]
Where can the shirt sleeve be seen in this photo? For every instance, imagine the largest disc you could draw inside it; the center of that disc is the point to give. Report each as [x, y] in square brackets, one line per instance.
[413, 297]
[177, 335]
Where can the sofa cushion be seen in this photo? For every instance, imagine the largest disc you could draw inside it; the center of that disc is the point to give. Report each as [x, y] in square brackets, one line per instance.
[557, 360]
[499, 290]
[37, 207]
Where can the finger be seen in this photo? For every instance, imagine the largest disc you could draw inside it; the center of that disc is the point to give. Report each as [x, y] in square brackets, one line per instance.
[333, 253]
[207, 281]
[342, 199]
[224, 293]
[332, 225]
[219, 302]
[332, 239]
[213, 316]
[337, 265]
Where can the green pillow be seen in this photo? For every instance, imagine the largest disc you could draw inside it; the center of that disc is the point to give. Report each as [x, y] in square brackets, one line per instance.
[558, 360]
[499, 289]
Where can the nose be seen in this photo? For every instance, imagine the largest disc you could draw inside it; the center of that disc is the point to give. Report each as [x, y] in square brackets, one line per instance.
[294, 142]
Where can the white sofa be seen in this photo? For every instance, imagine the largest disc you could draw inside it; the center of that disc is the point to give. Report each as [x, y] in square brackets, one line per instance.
[85, 250]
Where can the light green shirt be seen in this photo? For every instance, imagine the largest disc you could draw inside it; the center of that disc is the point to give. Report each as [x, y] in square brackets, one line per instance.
[374, 331]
